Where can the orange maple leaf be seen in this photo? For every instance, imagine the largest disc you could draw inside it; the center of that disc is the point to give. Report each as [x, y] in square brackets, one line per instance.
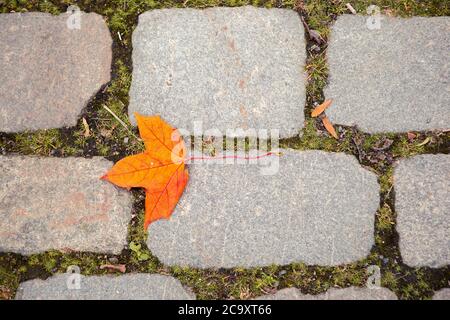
[159, 169]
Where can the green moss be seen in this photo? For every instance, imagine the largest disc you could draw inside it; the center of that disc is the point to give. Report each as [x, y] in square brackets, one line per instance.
[310, 139]
[34, 260]
[386, 181]
[386, 219]
[136, 231]
[403, 148]
[405, 8]
[42, 142]
[47, 6]
[321, 13]
[139, 256]
[265, 281]
[410, 292]
[389, 280]
[10, 271]
[88, 263]
[317, 72]
[206, 284]
[420, 283]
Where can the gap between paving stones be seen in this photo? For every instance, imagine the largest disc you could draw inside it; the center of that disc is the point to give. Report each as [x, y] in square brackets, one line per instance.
[265, 277]
[350, 293]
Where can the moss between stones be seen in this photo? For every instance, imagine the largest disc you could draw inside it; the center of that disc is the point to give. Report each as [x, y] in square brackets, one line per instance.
[109, 139]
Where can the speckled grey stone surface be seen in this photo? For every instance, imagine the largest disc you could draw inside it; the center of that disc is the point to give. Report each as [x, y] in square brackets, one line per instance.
[123, 287]
[225, 67]
[443, 294]
[60, 203]
[351, 293]
[396, 78]
[48, 72]
[318, 208]
[422, 203]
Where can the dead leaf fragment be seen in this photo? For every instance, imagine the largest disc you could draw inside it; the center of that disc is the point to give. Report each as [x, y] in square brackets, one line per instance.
[299, 5]
[358, 141]
[245, 293]
[119, 267]
[315, 36]
[66, 250]
[105, 132]
[329, 127]
[388, 12]
[350, 8]
[321, 108]
[87, 131]
[5, 293]
[424, 142]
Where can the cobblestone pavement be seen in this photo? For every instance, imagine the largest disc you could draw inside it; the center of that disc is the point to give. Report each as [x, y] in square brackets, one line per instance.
[231, 69]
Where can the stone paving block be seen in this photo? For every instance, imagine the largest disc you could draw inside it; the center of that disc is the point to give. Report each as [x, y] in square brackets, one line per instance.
[443, 294]
[318, 208]
[422, 203]
[60, 203]
[226, 68]
[396, 78]
[48, 71]
[123, 287]
[351, 293]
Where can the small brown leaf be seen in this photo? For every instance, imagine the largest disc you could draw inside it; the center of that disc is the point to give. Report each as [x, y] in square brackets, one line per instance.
[329, 127]
[321, 108]
[411, 136]
[315, 36]
[119, 267]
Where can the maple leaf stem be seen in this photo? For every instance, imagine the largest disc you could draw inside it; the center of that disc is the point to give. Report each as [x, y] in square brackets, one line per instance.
[233, 157]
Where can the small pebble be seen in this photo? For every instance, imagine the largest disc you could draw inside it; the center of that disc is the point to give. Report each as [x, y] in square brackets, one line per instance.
[113, 260]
